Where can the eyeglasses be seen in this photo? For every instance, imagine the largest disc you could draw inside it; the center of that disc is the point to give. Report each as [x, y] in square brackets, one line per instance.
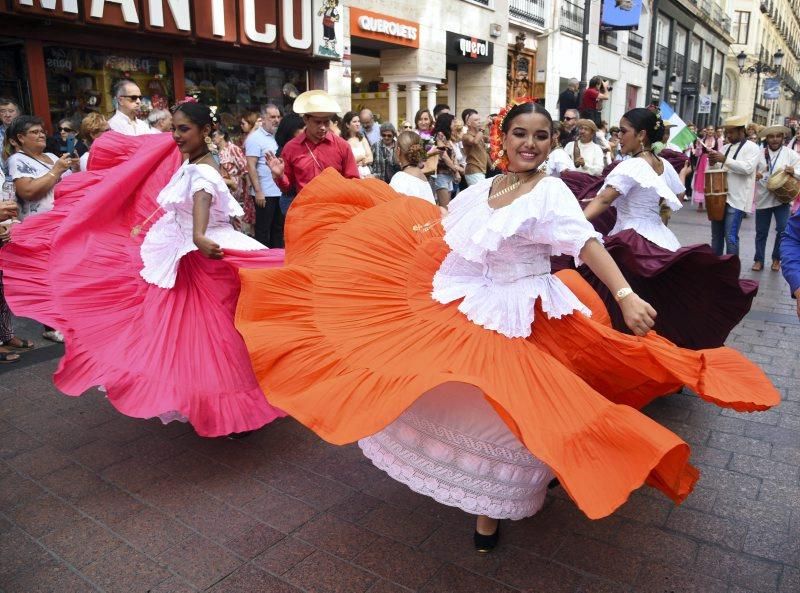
[132, 97]
[36, 132]
[65, 130]
[388, 135]
[570, 118]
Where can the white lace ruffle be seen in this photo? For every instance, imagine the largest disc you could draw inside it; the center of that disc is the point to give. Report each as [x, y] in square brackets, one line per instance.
[636, 172]
[171, 237]
[653, 230]
[507, 308]
[459, 470]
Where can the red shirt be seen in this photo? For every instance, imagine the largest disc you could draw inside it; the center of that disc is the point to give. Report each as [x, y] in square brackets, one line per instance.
[303, 160]
[589, 100]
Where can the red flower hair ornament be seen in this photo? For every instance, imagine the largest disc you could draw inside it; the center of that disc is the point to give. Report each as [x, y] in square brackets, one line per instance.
[497, 153]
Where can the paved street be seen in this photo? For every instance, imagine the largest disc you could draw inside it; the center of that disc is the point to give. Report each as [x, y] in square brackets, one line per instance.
[93, 501]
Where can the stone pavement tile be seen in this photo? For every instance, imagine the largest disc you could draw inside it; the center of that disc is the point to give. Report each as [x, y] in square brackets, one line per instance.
[73, 482]
[199, 561]
[656, 577]
[348, 466]
[739, 444]
[707, 528]
[710, 417]
[777, 435]
[790, 581]
[282, 556]
[454, 544]
[710, 456]
[740, 569]
[89, 416]
[543, 534]
[454, 579]
[282, 512]
[392, 492]
[254, 541]
[387, 587]
[723, 480]
[124, 570]
[133, 475]
[599, 558]
[400, 524]
[597, 586]
[397, 562]
[781, 493]
[173, 585]
[335, 536]
[249, 579]
[16, 490]
[191, 466]
[767, 542]
[152, 449]
[171, 494]
[66, 436]
[40, 461]
[651, 542]
[43, 515]
[356, 506]
[119, 429]
[18, 550]
[526, 571]
[82, 542]
[315, 490]
[322, 573]
[694, 435]
[213, 518]
[765, 468]
[15, 442]
[646, 509]
[49, 576]
[232, 487]
[109, 504]
[99, 454]
[753, 512]
[150, 531]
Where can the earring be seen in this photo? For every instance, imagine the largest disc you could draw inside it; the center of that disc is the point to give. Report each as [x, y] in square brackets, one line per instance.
[208, 142]
[502, 153]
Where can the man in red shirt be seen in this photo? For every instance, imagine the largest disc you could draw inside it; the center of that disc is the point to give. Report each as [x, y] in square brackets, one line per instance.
[590, 101]
[317, 148]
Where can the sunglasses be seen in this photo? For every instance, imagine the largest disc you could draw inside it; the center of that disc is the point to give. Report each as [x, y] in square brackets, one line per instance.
[407, 127]
[132, 97]
[65, 130]
[570, 118]
[388, 135]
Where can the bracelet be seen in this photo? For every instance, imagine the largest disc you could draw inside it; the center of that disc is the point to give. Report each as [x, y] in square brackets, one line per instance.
[623, 293]
[53, 175]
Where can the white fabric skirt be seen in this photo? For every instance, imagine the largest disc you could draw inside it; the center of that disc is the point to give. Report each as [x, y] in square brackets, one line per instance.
[452, 446]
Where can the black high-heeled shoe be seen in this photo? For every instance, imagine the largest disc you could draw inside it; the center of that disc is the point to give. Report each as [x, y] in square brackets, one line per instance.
[486, 543]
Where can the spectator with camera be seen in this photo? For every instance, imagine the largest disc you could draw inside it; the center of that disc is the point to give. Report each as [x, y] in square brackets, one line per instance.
[591, 101]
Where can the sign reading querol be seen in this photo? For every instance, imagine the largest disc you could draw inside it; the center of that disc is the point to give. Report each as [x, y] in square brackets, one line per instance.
[462, 49]
[281, 24]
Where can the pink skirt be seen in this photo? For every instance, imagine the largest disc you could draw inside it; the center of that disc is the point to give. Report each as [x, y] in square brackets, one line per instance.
[169, 353]
[699, 181]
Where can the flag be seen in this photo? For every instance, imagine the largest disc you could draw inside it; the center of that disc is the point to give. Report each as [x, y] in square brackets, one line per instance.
[679, 135]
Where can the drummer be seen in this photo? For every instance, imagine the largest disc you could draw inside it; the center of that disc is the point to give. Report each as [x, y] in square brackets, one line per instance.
[739, 157]
[774, 158]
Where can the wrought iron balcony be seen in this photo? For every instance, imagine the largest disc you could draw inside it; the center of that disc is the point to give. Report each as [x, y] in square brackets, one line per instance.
[531, 11]
[571, 18]
[635, 46]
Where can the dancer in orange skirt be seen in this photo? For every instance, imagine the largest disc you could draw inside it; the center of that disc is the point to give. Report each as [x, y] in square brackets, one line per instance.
[461, 365]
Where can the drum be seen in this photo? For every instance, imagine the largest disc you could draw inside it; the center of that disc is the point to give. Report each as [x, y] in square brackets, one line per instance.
[716, 193]
[784, 187]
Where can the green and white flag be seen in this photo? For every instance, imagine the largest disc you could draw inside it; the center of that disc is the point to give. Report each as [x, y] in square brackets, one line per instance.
[679, 135]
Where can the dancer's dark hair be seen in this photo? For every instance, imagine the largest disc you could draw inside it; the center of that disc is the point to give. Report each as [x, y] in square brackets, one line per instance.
[646, 120]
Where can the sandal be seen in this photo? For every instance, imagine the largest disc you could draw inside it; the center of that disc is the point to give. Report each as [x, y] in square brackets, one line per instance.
[8, 357]
[22, 344]
[776, 265]
[757, 266]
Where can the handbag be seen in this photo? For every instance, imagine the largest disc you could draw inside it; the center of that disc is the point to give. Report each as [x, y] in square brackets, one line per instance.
[431, 164]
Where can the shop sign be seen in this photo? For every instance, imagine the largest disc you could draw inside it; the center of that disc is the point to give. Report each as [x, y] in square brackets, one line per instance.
[378, 27]
[689, 88]
[463, 49]
[58, 60]
[284, 24]
[704, 104]
[328, 29]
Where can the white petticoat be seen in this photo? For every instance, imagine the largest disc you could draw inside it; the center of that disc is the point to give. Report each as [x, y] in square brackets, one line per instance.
[452, 446]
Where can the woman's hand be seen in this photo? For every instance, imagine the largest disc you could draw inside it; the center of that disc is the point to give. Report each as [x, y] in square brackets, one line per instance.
[208, 248]
[789, 170]
[639, 316]
[687, 168]
[275, 164]
[5, 234]
[8, 209]
[580, 163]
[64, 163]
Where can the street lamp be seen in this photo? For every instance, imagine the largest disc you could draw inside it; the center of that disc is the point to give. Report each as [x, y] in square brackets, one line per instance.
[758, 68]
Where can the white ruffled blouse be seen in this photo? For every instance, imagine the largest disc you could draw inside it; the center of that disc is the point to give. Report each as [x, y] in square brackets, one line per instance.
[638, 207]
[171, 237]
[500, 259]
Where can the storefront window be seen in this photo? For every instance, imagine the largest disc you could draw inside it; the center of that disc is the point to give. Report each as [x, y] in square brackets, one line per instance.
[232, 89]
[79, 81]
[13, 79]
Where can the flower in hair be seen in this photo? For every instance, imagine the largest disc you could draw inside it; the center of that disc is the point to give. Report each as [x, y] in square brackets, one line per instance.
[496, 153]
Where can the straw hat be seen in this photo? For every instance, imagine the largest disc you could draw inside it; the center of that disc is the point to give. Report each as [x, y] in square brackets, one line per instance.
[316, 103]
[736, 121]
[586, 123]
[775, 130]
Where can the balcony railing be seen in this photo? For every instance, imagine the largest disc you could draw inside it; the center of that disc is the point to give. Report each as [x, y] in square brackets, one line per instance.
[608, 39]
[662, 53]
[571, 18]
[531, 11]
[678, 64]
[635, 46]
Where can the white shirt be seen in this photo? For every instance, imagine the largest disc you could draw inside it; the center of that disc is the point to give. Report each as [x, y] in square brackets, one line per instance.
[741, 174]
[84, 160]
[404, 183]
[592, 155]
[20, 165]
[784, 157]
[558, 161]
[121, 123]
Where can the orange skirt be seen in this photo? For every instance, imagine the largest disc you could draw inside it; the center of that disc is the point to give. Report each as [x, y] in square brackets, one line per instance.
[346, 337]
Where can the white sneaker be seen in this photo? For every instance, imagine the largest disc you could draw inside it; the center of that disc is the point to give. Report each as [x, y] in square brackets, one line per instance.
[54, 336]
